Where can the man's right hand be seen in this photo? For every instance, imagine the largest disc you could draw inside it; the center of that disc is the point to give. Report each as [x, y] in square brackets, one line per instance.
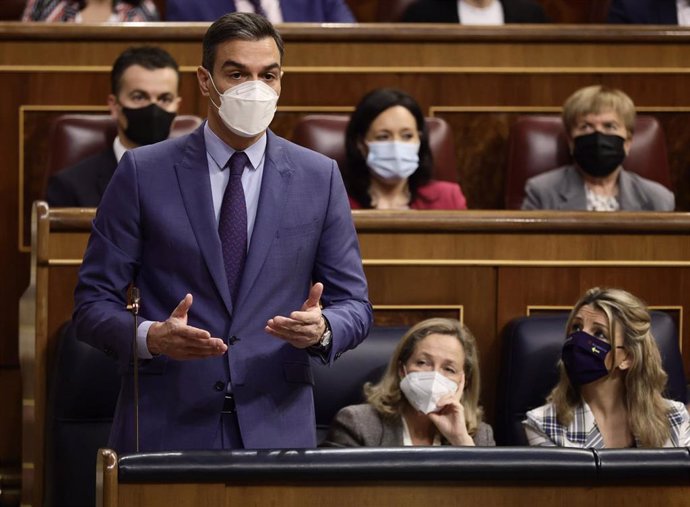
[177, 340]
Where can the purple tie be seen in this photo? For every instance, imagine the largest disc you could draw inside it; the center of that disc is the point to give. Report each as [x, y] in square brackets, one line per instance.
[232, 225]
[257, 7]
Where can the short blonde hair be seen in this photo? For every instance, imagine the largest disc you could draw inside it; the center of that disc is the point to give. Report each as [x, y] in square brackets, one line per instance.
[597, 99]
[386, 397]
[645, 380]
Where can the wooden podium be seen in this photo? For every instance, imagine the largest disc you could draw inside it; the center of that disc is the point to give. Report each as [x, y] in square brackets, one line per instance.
[383, 477]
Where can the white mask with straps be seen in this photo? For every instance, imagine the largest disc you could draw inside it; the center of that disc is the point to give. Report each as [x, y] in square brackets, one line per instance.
[423, 389]
[247, 109]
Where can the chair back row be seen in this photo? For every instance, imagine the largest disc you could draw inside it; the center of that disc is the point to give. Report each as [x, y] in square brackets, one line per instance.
[326, 134]
[537, 143]
[74, 137]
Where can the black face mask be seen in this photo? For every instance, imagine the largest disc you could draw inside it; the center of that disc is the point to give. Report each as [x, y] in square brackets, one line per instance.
[599, 154]
[147, 125]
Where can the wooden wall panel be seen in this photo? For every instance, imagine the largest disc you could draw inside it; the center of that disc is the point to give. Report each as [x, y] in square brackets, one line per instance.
[471, 287]
[660, 287]
[291, 493]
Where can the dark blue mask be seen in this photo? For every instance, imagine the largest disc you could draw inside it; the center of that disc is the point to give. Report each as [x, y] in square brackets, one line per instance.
[583, 357]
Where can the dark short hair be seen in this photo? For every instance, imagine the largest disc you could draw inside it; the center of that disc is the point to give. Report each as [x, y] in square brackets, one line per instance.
[356, 173]
[237, 26]
[149, 57]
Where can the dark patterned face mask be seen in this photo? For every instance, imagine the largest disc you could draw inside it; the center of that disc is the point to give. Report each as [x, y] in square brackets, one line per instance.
[583, 357]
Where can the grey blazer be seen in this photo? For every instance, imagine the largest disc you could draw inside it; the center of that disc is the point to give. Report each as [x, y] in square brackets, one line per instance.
[362, 426]
[564, 189]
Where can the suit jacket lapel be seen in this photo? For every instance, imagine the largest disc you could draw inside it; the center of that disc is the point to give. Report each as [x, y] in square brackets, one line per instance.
[629, 196]
[195, 186]
[572, 190]
[391, 432]
[272, 200]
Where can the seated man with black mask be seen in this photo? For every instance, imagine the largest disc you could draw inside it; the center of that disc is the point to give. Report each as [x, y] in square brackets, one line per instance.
[144, 101]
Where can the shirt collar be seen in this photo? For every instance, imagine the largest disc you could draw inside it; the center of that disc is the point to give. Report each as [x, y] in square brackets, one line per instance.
[221, 152]
[119, 148]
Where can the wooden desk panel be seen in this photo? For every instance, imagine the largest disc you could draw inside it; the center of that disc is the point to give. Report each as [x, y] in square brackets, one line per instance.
[481, 266]
[406, 493]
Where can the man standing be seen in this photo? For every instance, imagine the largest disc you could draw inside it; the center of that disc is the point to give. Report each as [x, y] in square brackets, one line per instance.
[144, 101]
[232, 228]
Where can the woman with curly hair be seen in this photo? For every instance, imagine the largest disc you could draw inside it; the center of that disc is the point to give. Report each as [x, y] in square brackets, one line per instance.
[429, 394]
[611, 382]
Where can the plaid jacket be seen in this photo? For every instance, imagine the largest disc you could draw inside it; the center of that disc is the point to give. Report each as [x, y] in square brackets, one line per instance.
[543, 429]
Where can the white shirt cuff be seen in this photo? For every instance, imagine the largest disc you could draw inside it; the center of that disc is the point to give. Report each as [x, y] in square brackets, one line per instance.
[142, 332]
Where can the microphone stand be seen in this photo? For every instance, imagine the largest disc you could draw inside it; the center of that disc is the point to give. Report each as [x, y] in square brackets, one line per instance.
[133, 299]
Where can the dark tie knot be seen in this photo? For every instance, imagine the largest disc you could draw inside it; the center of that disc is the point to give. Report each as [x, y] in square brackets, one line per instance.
[237, 162]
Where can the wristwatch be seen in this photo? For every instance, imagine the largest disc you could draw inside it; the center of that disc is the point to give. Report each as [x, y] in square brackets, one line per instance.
[326, 337]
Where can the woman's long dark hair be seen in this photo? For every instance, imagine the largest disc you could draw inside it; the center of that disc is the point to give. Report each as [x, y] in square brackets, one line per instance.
[356, 173]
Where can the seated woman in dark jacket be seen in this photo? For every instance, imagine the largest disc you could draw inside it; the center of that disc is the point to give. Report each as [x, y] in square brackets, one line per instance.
[429, 394]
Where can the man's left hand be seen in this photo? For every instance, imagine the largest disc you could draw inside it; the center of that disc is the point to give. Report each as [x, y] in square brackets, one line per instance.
[303, 328]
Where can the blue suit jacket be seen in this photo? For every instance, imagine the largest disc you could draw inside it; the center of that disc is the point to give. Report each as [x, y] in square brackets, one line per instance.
[652, 12]
[294, 11]
[156, 226]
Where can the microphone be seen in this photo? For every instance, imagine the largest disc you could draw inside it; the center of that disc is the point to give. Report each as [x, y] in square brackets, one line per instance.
[133, 301]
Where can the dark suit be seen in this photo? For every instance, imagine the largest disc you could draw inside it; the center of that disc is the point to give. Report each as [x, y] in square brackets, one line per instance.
[83, 184]
[651, 12]
[445, 11]
[293, 11]
[165, 239]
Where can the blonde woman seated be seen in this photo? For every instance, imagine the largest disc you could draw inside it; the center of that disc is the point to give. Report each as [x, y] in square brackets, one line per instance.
[599, 123]
[427, 396]
[611, 381]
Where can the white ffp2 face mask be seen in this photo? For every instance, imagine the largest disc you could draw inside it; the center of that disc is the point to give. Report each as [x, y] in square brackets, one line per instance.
[247, 109]
[423, 389]
[393, 160]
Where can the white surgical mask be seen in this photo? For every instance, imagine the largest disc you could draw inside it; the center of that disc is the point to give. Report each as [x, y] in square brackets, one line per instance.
[423, 389]
[393, 160]
[247, 109]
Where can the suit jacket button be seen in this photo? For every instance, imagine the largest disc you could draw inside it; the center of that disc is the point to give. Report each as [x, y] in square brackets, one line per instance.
[219, 386]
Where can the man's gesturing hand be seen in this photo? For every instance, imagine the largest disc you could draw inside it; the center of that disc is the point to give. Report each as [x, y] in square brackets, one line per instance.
[177, 340]
[302, 328]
